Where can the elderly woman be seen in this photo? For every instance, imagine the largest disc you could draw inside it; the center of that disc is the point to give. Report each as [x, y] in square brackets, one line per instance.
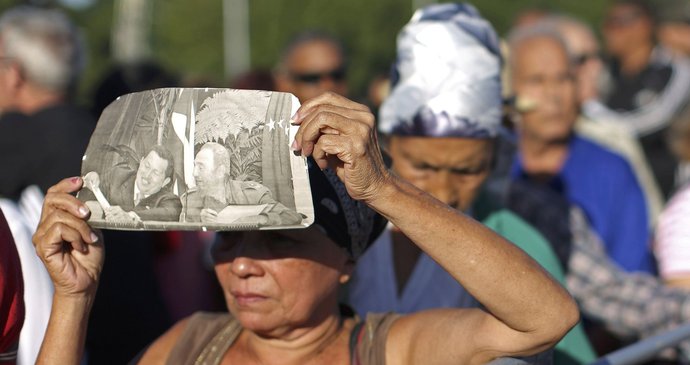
[281, 287]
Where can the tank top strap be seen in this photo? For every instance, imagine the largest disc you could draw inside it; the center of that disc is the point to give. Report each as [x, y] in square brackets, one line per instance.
[370, 336]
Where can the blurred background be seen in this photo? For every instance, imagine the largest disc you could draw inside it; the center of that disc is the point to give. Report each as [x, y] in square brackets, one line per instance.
[193, 39]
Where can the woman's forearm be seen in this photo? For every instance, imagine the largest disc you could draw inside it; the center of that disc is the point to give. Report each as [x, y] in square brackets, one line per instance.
[497, 273]
[64, 339]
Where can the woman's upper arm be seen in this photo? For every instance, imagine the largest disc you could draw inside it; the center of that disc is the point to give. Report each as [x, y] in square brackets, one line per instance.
[159, 350]
[462, 336]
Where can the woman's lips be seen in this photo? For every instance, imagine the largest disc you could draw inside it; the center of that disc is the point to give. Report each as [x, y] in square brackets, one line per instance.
[246, 298]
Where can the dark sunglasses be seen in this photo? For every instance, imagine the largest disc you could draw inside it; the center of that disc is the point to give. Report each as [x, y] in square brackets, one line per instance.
[336, 75]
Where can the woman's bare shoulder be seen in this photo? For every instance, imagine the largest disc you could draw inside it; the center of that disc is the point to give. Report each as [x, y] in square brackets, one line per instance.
[198, 324]
[159, 350]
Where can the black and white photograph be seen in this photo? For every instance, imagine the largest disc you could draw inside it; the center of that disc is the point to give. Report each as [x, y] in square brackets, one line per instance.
[196, 159]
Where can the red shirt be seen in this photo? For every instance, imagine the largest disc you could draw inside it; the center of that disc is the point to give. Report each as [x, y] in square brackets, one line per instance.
[11, 295]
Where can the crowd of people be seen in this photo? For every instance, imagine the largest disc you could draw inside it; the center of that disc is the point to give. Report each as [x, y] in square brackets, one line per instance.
[523, 198]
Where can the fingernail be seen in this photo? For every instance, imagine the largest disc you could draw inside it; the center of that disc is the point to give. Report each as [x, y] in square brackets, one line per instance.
[75, 180]
[295, 118]
[83, 210]
[293, 146]
[94, 238]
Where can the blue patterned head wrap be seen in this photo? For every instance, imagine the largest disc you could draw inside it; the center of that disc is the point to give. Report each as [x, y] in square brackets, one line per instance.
[446, 78]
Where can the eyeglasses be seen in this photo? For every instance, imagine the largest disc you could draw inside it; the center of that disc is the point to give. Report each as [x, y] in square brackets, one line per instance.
[337, 75]
[581, 59]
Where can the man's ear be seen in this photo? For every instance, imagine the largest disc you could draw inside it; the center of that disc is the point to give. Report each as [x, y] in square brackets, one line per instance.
[166, 181]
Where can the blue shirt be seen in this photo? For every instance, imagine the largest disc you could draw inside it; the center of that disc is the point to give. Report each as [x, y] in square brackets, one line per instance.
[604, 186]
[373, 287]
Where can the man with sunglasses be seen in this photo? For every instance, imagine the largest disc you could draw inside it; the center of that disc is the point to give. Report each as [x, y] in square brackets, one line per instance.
[646, 86]
[311, 64]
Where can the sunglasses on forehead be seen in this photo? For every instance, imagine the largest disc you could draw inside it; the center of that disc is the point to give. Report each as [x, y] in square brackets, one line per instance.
[336, 75]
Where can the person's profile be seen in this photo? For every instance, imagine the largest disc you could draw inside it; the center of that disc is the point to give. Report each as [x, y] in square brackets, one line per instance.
[193, 158]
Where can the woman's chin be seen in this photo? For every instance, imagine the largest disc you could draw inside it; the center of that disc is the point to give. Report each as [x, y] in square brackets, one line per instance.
[260, 324]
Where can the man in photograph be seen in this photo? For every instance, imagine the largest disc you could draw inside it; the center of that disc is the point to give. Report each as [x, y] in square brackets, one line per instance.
[218, 196]
[135, 195]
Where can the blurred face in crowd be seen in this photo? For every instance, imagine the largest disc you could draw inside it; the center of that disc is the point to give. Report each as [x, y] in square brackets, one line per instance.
[542, 74]
[206, 174]
[676, 37]
[626, 27]
[9, 78]
[275, 281]
[151, 174]
[585, 56]
[312, 69]
[450, 169]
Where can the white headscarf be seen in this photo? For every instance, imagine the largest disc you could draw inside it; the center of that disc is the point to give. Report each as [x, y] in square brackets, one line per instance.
[446, 79]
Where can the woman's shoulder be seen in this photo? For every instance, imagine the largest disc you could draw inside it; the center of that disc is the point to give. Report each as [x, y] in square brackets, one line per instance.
[186, 336]
[369, 337]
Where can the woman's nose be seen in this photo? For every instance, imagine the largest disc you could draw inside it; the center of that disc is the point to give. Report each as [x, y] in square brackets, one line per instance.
[247, 260]
[441, 187]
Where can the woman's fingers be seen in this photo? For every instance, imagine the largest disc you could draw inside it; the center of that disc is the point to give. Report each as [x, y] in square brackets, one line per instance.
[58, 197]
[326, 98]
[333, 121]
[61, 217]
[68, 185]
[53, 239]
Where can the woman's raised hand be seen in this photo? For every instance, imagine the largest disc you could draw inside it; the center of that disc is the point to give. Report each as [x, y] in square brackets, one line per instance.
[341, 134]
[72, 251]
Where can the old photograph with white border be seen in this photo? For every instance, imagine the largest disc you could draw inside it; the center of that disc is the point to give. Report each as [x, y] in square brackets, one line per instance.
[196, 159]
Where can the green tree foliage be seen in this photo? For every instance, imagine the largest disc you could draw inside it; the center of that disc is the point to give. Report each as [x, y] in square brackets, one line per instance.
[187, 35]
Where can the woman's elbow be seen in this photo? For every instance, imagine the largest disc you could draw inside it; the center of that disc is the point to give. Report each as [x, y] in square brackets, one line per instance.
[561, 320]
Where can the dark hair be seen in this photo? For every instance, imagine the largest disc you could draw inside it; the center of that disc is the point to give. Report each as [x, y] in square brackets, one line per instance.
[642, 5]
[309, 36]
[163, 153]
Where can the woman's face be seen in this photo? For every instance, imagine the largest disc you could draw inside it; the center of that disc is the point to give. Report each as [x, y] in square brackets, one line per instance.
[277, 281]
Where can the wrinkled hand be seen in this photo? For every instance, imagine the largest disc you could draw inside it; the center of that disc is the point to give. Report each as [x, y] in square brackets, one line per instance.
[208, 216]
[72, 252]
[340, 134]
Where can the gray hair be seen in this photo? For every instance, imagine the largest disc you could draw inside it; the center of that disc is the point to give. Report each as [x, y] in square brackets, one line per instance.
[542, 29]
[47, 46]
[563, 24]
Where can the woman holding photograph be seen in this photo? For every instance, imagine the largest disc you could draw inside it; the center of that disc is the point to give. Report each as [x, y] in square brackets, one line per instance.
[281, 286]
